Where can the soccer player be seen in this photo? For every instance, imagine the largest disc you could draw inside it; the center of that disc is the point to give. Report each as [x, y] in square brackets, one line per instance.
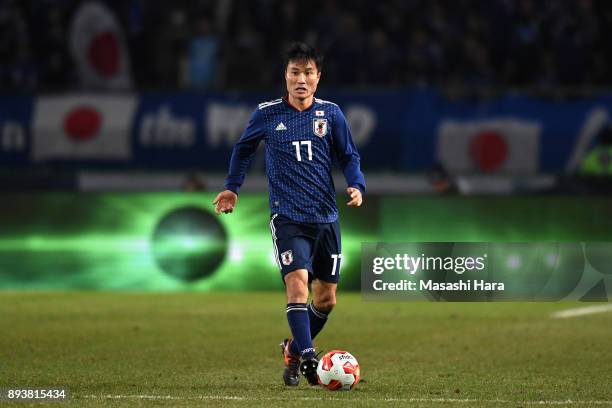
[303, 135]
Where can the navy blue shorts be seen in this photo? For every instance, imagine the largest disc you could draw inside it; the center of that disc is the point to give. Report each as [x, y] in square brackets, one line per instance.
[314, 247]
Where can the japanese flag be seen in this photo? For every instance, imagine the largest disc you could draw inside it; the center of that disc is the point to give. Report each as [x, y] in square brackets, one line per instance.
[83, 127]
[99, 49]
[493, 145]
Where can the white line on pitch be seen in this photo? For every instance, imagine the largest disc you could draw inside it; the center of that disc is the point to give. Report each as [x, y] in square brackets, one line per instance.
[289, 398]
[582, 311]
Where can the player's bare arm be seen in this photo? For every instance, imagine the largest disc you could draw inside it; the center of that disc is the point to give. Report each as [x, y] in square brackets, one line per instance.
[225, 202]
[356, 197]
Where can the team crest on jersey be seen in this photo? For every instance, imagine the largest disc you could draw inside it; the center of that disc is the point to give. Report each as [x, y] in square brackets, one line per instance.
[319, 126]
[287, 257]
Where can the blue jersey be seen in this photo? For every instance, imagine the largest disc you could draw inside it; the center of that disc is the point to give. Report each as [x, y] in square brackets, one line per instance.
[300, 147]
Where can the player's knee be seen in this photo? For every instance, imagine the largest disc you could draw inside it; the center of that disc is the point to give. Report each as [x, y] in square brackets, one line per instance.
[326, 303]
[297, 287]
[297, 293]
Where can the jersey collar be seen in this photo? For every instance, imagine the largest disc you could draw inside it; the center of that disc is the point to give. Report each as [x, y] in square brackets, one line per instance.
[286, 101]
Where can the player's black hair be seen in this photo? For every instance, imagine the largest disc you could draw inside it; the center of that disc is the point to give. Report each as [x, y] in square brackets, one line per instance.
[299, 51]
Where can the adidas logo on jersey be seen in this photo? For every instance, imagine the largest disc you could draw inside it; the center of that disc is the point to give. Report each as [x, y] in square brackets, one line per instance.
[281, 126]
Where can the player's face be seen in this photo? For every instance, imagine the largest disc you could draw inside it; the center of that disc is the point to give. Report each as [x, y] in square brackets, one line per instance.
[302, 79]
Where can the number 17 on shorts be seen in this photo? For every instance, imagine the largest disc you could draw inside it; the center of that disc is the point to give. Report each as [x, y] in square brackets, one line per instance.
[336, 264]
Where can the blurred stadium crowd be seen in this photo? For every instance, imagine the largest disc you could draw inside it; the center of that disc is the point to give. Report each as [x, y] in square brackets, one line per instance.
[238, 44]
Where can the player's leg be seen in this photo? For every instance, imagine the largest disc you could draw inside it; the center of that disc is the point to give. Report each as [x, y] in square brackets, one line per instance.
[297, 315]
[323, 296]
[323, 302]
[292, 250]
[326, 268]
[326, 272]
[296, 283]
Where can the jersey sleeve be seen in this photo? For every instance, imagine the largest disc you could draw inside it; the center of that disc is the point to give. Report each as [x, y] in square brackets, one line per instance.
[244, 151]
[346, 152]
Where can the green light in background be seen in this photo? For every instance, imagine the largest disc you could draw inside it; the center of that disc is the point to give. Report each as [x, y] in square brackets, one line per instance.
[108, 241]
[189, 243]
[514, 261]
[551, 259]
[86, 243]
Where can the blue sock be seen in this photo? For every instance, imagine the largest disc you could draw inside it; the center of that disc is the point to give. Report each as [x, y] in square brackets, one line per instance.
[317, 321]
[297, 316]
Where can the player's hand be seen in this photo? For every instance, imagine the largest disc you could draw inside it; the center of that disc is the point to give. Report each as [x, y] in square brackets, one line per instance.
[225, 202]
[355, 195]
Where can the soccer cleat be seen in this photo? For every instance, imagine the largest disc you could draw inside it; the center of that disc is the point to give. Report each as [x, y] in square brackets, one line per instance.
[291, 375]
[308, 368]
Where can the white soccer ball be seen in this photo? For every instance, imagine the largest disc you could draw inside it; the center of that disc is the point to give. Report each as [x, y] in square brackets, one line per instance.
[338, 370]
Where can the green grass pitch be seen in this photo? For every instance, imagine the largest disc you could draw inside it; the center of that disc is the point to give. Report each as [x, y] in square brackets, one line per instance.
[218, 349]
